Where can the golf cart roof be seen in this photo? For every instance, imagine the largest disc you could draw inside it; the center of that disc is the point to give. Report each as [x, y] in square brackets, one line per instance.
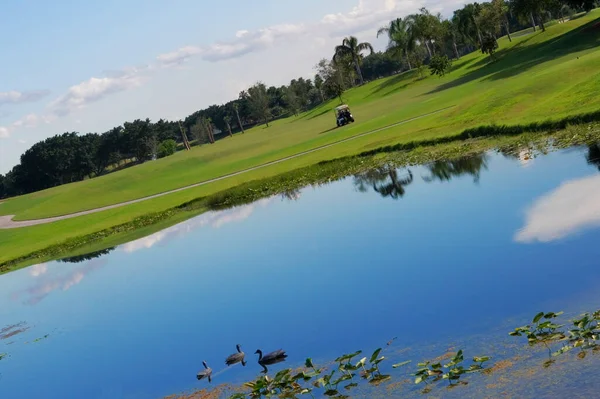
[342, 107]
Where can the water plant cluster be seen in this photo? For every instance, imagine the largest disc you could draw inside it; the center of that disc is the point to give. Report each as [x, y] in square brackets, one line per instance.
[581, 335]
[346, 372]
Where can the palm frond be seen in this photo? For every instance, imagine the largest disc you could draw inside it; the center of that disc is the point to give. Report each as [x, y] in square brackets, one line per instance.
[383, 30]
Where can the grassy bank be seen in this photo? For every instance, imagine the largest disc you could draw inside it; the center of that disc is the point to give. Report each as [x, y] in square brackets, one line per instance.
[540, 74]
[318, 174]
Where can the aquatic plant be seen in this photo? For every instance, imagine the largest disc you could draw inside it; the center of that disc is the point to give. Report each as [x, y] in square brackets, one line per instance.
[339, 380]
[583, 334]
[542, 331]
[429, 373]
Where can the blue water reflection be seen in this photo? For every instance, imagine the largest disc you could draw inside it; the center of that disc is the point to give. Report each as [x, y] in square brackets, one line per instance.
[427, 255]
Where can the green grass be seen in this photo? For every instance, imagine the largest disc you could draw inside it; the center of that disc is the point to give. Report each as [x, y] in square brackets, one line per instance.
[538, 76]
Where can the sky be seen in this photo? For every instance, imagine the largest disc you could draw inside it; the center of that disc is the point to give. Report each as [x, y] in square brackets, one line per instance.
[89, 66]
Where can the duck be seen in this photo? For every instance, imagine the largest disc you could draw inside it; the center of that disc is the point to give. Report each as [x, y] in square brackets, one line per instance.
[236, 357]
[275, 357]
[206, 373]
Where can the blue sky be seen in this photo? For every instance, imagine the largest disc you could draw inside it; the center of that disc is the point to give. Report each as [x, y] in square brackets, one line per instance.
[90, 66]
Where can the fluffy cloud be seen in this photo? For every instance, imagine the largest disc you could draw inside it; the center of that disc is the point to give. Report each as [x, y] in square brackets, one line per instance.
[366, 15]
[179, 56]
[95, 89]
[4, 132]
[571, 208]
[17, 97]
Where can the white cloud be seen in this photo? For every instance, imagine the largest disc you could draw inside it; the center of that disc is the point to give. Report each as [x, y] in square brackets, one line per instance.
[247, 42]
[28, 121]
[18, 97]
[179, 56]
[95, 89]
[366, 15]
[571, 208]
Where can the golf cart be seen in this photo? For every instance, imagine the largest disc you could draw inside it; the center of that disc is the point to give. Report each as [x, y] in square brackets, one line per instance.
[343, 116]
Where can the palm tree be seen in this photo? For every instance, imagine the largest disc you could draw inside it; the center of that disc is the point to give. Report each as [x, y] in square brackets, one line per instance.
[530, 8]
[352, 48]
[424, 28]
[399, 38]
[236, 108]
[465, 20]
[227, 120]
[450, 33]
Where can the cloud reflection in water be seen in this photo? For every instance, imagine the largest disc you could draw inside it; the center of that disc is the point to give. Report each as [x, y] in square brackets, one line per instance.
[571, 208]
[213, 219]
[46, 283]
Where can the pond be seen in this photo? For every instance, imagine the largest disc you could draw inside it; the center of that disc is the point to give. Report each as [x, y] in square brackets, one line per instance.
[454, 253]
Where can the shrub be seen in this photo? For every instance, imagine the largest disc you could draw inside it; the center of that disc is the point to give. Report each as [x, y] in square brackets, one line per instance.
[439, 65]
[166, 148]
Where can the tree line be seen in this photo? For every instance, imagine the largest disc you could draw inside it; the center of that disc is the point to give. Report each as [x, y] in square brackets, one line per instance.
[414, 42]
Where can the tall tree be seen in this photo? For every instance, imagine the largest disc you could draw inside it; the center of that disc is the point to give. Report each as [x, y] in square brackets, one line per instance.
[532, 9]
[399, 39]
[466, 21]
[350, 47]
[236, 109]
[227, 119]
[319, 86]
[259, 102]
[450, 33]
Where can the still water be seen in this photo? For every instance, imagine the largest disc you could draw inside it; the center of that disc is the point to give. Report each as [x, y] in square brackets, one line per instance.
[434, 254]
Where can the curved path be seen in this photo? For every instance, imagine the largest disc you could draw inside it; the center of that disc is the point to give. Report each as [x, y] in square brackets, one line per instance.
[6, 222]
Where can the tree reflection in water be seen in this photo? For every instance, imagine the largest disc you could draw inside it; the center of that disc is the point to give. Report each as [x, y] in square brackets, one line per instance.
[86, 257]
[446, 170]
[593, 155]
[387, 181]
[384, 180]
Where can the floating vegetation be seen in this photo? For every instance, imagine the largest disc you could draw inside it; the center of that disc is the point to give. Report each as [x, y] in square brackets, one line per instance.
[40, 338]
[338, 380]
[429, 373]
[582, 336]
[3, 355]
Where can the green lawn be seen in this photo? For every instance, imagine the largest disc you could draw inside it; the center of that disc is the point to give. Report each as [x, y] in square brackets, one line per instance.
[538, 76]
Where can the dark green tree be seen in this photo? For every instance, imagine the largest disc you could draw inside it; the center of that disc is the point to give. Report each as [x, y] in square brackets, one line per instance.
[259, 102]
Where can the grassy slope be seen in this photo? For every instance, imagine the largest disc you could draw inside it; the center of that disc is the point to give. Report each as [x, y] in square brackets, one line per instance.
[538, 76]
